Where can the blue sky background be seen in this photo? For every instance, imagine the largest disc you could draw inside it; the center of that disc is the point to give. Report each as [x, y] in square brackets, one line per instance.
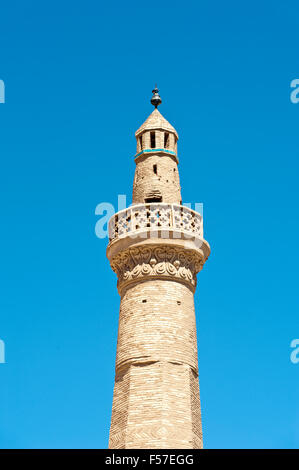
[78, 81]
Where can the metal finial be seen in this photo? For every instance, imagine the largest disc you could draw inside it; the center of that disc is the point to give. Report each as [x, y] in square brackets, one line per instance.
[156, 100]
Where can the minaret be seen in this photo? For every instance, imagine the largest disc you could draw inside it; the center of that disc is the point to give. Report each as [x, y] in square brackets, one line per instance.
[156, 248]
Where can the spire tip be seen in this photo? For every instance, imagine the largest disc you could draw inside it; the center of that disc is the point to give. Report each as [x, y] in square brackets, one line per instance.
[156, 100]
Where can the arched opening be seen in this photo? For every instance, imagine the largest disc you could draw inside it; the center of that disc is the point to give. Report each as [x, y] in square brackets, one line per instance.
[166, 140]
[153, 140]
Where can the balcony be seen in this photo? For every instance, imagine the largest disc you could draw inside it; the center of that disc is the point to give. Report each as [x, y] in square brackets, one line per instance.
[156, 220]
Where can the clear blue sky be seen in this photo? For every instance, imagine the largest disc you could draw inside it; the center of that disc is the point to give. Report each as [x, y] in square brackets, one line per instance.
[78, 79]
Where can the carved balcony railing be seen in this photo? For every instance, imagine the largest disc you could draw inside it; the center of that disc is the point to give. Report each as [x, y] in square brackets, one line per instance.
[153, 218]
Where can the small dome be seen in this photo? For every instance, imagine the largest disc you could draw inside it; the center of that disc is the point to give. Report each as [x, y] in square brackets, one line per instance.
[156, 121]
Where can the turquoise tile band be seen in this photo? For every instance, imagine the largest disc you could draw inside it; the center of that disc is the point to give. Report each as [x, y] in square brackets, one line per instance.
[155, 150]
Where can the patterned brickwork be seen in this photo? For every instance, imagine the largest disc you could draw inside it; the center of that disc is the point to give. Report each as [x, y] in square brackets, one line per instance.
[157, 323]
[157, 176]
[157, 407]
[156, 396]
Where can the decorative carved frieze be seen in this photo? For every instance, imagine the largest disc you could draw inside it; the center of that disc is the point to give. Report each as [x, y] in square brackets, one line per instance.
[157, 261]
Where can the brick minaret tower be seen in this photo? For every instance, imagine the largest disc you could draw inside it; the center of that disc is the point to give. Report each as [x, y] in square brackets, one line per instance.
[156, 249]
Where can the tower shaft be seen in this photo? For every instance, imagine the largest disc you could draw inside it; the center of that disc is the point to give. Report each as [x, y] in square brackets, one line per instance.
[156, 397]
